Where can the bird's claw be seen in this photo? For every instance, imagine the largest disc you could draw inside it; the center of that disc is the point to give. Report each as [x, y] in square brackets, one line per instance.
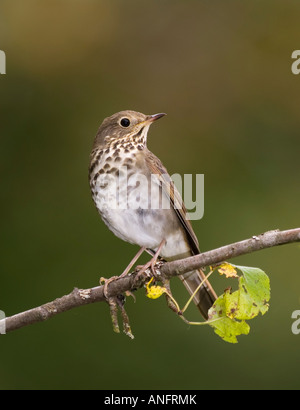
[106, 282]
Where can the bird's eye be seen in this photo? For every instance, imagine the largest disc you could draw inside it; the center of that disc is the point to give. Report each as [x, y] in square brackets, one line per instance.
[125, 122]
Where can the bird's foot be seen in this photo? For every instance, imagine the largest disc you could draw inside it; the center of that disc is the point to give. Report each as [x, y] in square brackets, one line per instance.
[152, 265]
[106, 282]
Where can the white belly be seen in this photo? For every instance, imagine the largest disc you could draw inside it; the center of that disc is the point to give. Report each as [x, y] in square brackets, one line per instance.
[126, 207]
[127, 214]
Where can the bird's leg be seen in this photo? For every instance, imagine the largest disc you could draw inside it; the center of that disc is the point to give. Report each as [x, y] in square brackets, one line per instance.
[150, 264]
[136, 257]
[125, 272]
[153, 261]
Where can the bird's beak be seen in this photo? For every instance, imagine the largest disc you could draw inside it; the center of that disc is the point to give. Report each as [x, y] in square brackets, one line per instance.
[151, 118]
[154, 117]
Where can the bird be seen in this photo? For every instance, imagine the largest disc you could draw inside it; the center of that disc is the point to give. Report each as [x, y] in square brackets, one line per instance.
[138, 201]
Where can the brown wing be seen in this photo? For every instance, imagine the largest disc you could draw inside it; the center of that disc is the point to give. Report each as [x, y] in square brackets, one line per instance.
[206, 296]
[173, 195]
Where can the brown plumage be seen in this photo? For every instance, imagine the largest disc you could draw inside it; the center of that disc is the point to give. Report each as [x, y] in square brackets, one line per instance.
[125, 203]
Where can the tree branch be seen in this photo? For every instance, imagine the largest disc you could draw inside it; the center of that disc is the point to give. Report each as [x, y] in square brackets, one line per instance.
[79, 297]
[256, 243]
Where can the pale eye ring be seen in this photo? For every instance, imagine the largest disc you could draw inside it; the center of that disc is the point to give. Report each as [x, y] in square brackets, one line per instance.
[125, 122]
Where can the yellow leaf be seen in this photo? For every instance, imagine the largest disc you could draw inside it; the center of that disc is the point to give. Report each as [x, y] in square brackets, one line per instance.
[154, 292]
[228, 270]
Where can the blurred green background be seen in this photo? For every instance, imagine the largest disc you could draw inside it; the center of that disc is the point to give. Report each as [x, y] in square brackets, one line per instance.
[222, 72]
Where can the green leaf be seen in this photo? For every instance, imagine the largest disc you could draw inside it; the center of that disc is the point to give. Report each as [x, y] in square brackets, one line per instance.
[254, 293]
[229, 312]
[225, 327]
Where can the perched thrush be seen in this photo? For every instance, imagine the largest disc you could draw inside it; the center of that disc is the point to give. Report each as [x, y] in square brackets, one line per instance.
[137, 199]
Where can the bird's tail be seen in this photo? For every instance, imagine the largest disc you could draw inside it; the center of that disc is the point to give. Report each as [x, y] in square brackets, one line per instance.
[205, 296]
